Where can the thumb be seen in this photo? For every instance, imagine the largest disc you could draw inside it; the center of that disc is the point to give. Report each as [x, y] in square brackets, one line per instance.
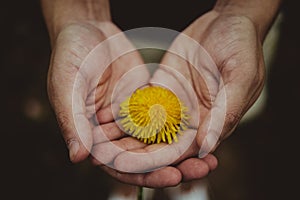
[69, 107]
[66, 97]
[223, 117]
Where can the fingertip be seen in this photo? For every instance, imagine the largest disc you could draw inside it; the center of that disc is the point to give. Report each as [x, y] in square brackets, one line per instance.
[105, 115]
[164, 177]
[73, 149]
[77, 152]
[211, 161]
[174, 177]
[107, 132]
[79, 138]
[79, 157]
[193, 168]
[201, 136]
[200, 141]
[105, 152]
[203, 146]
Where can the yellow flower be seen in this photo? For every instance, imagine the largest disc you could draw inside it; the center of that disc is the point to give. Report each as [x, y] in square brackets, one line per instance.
[153, 114]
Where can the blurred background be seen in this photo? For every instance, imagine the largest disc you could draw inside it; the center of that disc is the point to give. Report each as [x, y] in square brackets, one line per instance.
[257, 162]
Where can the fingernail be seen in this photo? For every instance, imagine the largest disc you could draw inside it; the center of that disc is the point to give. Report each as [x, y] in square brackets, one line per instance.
[203, 150]
[202, 154]
[73, 149]
[208, 145]
[211, 141]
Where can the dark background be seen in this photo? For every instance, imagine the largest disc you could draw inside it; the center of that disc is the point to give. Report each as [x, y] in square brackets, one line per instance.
[257, 162]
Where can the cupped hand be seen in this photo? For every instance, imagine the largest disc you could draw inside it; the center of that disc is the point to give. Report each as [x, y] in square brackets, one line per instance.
[223, 94]
[76, 93]
[227, 88]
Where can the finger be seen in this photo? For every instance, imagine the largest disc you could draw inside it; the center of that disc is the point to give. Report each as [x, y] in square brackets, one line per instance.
[195, 168]
[157, 155]
[130, 81]
[122, 88]
[105, 153]
[108, 114]
[164, 177]
[76, 128]
[211, 161]
[211, 129]
[231, 103]
[69, 106]
[107, 132]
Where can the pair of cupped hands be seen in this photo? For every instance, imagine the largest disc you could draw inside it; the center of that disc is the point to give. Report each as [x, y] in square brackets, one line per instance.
[234, 46]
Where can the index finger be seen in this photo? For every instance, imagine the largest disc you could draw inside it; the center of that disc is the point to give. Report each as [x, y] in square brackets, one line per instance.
[156, 156]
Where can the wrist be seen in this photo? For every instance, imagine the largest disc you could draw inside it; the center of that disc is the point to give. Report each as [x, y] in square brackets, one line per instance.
[60, 13]
[261, 13]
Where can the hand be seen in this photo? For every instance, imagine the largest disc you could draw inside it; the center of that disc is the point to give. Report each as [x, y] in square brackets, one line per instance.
[234, 45]
[71, 47]
[233, 42]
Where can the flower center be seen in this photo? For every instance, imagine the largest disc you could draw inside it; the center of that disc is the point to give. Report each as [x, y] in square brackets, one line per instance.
[153, 114]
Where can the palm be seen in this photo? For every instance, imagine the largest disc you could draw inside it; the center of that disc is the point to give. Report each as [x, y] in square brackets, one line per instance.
[235, 49]
[231, 87]
[73, 77]
[233, 44]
